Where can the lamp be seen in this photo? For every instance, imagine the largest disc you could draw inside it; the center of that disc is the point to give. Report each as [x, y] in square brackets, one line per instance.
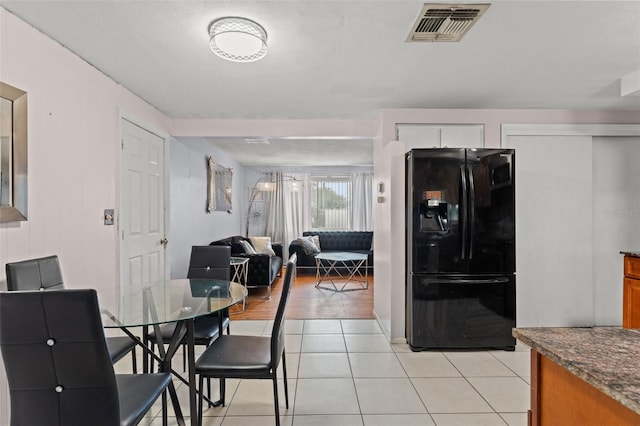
[237, 39]
[262, 185]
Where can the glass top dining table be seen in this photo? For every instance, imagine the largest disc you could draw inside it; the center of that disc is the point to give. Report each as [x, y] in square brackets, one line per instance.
[167, 301]
[178, 301]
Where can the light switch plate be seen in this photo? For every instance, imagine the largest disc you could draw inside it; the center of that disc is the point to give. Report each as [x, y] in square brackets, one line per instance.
[108, 216]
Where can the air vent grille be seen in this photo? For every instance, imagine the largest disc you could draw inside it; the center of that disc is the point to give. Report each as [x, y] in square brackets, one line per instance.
[439, 22]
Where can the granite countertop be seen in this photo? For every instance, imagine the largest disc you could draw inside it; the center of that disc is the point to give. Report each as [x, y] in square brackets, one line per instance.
[605, 357]
[631, 253]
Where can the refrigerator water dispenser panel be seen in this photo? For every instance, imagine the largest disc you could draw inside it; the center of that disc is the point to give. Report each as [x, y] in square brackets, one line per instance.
[434, 212]
[434, 217]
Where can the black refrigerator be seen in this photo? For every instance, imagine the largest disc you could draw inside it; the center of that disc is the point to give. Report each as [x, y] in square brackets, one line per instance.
[461, 284]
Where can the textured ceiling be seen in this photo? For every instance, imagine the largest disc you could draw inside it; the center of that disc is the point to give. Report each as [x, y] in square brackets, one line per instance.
[349, 59]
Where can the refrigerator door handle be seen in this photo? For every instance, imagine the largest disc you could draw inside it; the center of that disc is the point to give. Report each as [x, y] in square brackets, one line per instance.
[499, 280]
[463, 180]
[472, 207]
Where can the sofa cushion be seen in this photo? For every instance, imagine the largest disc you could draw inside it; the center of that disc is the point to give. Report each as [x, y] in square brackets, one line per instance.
[262, 245]
[308, 246]
[234, 242]
[248, 248]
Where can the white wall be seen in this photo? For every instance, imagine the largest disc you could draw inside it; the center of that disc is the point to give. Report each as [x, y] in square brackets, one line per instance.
[554, 230]
[190, 223]
[73, 129]
[390, 230]
[616, 220]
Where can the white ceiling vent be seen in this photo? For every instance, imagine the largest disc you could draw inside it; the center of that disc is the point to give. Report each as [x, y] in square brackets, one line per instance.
[439, 22]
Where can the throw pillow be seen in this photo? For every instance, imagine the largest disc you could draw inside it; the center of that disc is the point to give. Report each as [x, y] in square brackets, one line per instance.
[308, 246]
[248, 248]
[316, 241]
[262, 245]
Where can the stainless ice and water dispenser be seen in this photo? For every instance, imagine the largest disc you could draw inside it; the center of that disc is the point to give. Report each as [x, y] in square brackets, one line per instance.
[434, 216]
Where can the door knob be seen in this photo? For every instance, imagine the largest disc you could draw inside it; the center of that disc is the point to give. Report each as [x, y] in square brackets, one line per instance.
[164, 242]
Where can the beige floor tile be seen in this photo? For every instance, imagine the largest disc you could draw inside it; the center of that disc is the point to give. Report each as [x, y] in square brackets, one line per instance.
[388, 396]
[326, 396]
[475, 419]
[397, 420]
[515, 419]
[401, 347]
[367, 343]
[292, 343]
[324, 365]
[345, 373]
[293, 326]
[505, 394]
[361, 327]
[247, 327]
[450, 395]
[254, 421]
[255, 398]
[293, 360]
[323, 343]
[376, 365]
[322, 327]
[519, 361]
[478, 364]
[427, 364]
[328, 420]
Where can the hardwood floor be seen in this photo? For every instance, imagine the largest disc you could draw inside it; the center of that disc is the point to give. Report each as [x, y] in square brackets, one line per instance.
[308, 302]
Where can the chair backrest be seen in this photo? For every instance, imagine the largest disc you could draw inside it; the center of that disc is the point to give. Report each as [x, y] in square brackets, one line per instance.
[56, 358]
[210, 262]
[35, 274]
[277, 333]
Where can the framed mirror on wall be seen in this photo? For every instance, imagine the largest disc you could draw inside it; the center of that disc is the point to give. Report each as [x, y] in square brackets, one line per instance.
[219, 187]
[13, 154]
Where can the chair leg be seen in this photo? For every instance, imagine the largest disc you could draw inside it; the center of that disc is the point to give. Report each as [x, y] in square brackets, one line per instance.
[200, 402]
[152, 348]
[275, 398]
[134, 360]
[222, 389]
[184, 357]
[165, 418]
[209, 390]
[284, 373]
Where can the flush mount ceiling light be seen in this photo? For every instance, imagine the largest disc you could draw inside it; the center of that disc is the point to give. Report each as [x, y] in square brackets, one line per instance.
[237, 39]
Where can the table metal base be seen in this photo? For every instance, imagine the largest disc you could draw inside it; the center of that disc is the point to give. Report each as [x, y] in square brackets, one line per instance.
[328, 271]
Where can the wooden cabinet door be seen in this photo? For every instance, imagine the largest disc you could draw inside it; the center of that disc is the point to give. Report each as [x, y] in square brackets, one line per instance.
[631, 303]
[632, 267]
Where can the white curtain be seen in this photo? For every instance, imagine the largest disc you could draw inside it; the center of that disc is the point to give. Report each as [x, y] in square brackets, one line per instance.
[362, 202]
[286, 209]
[275, 209]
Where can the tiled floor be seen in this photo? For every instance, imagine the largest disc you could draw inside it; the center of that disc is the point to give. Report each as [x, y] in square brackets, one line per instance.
[344, 373]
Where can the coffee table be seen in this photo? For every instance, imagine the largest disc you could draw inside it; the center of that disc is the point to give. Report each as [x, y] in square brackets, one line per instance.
[342, 267]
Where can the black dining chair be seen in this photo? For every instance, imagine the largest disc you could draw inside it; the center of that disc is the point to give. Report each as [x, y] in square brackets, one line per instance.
[58, 366]
[212, 262]
[250, 357]
[45, 274]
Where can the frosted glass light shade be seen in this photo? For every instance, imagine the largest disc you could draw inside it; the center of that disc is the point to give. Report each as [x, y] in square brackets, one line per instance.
[237, 39]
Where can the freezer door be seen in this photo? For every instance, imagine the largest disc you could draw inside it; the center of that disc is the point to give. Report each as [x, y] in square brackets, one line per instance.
[491, 176]
[435, 202]
[461, 312]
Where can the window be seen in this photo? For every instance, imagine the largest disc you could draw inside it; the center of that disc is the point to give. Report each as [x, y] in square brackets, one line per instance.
[331, 202]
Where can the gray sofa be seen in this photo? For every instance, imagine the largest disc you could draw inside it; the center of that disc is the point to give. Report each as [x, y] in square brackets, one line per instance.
[350, 241]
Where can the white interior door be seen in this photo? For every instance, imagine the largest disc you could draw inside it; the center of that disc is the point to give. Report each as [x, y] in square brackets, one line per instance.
[143, 189]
